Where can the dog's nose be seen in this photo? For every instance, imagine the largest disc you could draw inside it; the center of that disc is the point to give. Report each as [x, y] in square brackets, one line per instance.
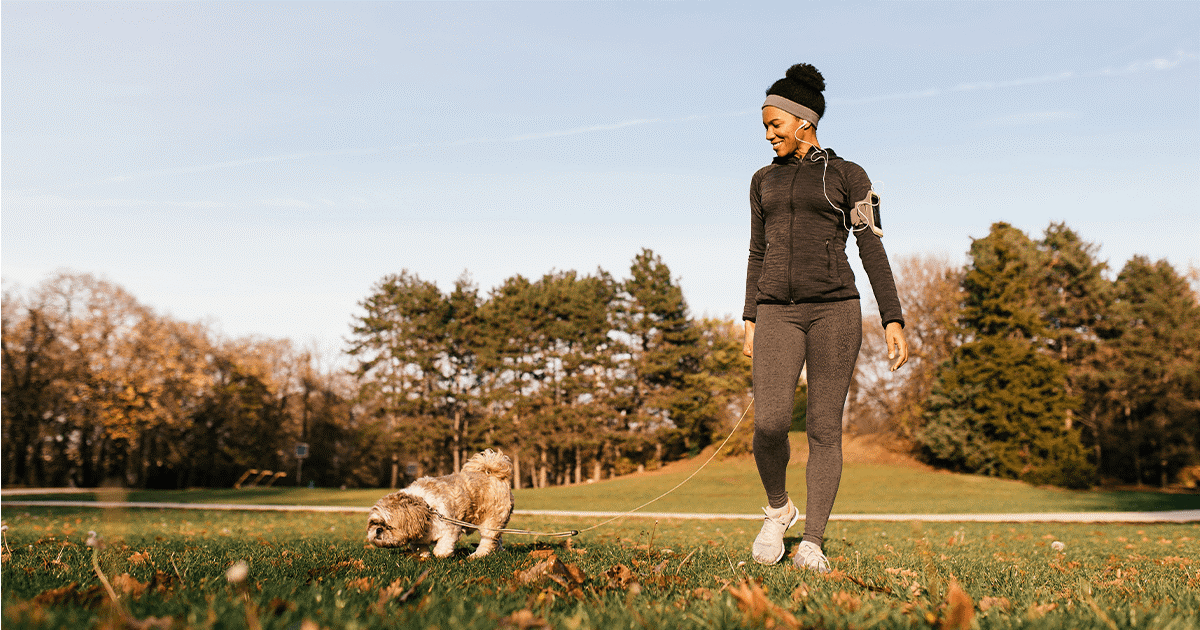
[378, 532]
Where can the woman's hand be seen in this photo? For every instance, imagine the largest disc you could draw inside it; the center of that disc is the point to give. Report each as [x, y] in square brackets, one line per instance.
[896, 345]
[748, 345]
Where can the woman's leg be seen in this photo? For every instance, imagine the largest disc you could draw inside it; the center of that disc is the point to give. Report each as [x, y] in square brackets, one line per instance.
[779, 348]
[834, 339]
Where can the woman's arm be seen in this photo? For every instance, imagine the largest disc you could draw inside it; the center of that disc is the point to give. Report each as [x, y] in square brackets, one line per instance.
[758, 250]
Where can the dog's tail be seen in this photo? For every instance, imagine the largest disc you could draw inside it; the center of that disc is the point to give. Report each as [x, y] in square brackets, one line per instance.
[489, 462]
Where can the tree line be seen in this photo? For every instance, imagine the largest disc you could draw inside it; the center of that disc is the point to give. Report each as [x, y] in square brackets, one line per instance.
[575, 376]
[98, 388]
[1029, 362]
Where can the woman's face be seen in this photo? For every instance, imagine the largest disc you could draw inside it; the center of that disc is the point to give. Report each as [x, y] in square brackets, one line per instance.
[781, 130]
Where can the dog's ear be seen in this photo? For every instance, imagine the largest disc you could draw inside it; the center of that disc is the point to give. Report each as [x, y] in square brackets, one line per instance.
[409, 518]
[405, 519]
[490, 463]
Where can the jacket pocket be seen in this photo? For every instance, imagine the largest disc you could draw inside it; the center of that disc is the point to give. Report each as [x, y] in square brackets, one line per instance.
[829, 271]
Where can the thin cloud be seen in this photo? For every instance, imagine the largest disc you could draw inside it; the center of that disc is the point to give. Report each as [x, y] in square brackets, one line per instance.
[1153, 65]
[1027, 118]
[58, 202]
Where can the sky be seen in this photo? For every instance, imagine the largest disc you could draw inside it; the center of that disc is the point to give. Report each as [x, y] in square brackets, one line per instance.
[262, 166]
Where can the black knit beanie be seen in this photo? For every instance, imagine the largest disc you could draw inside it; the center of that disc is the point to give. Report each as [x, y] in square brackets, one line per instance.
[801, 85]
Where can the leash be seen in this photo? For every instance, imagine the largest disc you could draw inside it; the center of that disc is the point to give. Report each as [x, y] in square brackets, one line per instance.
[575, 532]
[506, 530]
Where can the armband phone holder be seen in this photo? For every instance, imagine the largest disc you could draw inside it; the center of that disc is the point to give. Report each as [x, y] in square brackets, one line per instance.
[866, 213]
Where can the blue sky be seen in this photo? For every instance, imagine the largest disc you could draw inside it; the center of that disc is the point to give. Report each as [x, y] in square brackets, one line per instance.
[262, 165]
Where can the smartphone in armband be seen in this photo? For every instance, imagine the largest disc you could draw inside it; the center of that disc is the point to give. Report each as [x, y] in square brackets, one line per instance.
[866, 213]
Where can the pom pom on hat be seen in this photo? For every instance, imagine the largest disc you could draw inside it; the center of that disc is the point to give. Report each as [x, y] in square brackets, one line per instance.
[807, 75]
[802, 84]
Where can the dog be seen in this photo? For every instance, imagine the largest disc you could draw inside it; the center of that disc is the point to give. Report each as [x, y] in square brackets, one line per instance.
[478, 495]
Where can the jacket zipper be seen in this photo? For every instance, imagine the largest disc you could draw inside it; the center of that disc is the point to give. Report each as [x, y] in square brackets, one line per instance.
[828, 260]
[791, 229]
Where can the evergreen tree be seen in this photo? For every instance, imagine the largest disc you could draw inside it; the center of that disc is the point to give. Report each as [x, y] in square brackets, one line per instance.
[581, 419]
[1153, 375]
[1078, 316]
[512, 366]
[998, 405]
[460, 366]
[398, 343]
[665, 353]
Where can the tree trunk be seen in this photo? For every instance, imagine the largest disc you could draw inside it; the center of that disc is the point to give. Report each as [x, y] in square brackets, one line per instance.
[542, 470]
[516, 461]
[457, 439]
[578, 465]
[598, 463]
[1137, 448]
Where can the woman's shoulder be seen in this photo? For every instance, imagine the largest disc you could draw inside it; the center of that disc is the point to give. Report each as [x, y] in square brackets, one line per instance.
[851, 171]
[762, 172]
[842, 164]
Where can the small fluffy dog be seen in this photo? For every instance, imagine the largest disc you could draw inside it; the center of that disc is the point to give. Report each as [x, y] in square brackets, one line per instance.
[479, 495]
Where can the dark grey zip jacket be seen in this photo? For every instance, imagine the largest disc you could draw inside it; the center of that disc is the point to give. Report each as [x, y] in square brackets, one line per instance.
[798, 238]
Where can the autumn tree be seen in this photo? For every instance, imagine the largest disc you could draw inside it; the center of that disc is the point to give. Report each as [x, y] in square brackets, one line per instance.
[929, 290]
[32, 375]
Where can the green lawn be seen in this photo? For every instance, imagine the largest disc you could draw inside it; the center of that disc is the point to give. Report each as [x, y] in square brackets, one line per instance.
[732, 486]
[312, 570]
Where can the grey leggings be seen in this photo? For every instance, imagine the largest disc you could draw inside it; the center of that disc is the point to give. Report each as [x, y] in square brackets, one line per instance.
[827, 337]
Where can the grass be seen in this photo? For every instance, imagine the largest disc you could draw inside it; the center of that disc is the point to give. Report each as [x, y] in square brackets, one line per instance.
[311, 571]
[731, 486]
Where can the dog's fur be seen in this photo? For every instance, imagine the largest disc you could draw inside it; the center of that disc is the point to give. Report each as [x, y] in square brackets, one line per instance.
[479, 495]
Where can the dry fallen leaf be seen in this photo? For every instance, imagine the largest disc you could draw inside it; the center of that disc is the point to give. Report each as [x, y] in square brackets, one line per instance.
[70, 594]
[988, 603]
[758, 609]
[361, 584]
[523, 619]
[620, 577]
[533, 573]
[129, 585]
[140, 557]
[960, 609]
[846, 601]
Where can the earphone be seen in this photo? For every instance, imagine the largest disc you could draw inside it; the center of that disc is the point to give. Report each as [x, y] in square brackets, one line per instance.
[804, 124]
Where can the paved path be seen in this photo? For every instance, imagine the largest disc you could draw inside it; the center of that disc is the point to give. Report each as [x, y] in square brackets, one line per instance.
[1174, 516]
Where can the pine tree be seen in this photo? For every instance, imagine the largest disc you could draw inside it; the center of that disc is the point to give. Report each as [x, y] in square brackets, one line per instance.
[1153, 375]
[398, 343]
[998, 406]
[665, 354]
[1078, 316]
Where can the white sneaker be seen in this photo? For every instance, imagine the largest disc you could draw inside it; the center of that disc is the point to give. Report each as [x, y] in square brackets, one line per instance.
[768, 547]
[809, 556]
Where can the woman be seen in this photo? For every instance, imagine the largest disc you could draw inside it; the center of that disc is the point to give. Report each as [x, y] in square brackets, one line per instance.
[802, 306]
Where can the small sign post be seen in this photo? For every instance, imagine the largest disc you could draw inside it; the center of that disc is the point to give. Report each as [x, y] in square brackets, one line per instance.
[301, 453]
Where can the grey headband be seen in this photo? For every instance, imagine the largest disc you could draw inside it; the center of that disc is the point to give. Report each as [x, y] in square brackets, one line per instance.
[792, 107]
